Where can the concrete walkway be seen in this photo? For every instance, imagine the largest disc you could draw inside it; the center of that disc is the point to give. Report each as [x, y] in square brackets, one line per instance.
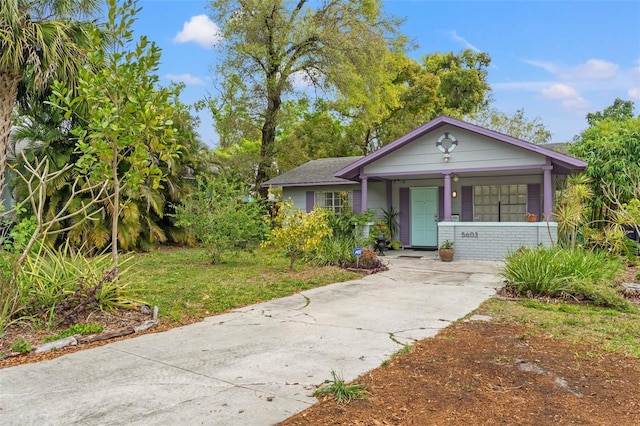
[252, 366]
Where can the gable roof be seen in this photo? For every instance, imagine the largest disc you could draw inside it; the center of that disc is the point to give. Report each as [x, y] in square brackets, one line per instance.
[314, 172]
[564, 161]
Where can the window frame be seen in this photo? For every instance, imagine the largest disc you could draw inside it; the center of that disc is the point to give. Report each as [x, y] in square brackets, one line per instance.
[514, 209]
[337, 199]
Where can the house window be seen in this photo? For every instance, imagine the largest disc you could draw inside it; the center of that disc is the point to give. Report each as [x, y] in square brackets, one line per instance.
[337, 201]
[500, 203]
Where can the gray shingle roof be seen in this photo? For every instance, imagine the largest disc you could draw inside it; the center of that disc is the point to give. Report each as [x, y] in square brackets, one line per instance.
[315, 172]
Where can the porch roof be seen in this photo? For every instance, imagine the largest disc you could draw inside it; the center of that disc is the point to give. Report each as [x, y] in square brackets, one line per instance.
[564, 164]
[315, 172]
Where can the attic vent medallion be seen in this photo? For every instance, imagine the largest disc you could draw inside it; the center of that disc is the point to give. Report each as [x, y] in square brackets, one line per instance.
[447, 143]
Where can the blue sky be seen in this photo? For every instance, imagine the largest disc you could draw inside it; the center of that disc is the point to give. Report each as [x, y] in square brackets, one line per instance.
[557, 60]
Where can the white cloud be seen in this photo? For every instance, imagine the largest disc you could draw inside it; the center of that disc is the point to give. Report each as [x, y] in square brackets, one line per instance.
[578, 103]
[593, 69]
[455, 37]
[570, 97]
[634, 93]
[185, 78]
[201, 30]
[559, 91]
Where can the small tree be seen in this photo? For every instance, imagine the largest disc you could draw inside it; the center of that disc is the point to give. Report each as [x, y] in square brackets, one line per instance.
[221, 216]
[127, 127]
[299, 232]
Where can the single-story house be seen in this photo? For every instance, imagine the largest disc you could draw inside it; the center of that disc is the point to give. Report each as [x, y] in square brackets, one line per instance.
[449, 180]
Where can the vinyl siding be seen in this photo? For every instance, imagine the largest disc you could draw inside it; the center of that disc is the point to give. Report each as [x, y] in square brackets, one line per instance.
[473, 151]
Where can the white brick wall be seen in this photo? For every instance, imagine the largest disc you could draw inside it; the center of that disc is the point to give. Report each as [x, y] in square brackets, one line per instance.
[492, 240]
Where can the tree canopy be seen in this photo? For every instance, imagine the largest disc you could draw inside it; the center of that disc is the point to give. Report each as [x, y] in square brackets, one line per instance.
[620, 110]
[516, 125]
[271, 48]
[39, 40]
[611, 146]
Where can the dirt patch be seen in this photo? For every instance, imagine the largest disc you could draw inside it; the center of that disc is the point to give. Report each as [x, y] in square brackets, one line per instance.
[110, 321]
[486, 373]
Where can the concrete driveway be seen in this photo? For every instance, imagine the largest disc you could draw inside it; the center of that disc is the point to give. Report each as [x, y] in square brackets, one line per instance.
[252, 366]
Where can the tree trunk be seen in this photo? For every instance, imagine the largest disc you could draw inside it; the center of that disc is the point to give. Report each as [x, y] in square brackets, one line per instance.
[268, 143]
[116, 211]
[8, 94]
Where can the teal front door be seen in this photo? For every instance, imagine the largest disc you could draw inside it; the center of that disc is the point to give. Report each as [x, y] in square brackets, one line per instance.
[424, 217]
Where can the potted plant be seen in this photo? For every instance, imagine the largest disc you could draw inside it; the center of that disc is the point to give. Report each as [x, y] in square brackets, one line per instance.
[381, 237]
[532, 217]
[390, 219]
[445, 251]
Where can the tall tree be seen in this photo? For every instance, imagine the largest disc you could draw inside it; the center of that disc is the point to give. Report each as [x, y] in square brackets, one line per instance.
[516, 125]
[38, 39]
[269, 45]
[463, 85]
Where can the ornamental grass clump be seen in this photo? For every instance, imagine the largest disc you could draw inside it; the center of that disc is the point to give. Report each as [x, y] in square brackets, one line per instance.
[575, 274]
[63, 285]
[342, 393]
[335, 250]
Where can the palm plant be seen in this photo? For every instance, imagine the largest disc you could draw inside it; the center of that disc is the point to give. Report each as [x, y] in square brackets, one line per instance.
[571, 209]
[39, 40]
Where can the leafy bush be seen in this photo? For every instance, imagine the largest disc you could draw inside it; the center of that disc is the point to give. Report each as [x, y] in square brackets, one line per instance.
[299, 233]
[569, 273]
[344, 223]
[221, 217]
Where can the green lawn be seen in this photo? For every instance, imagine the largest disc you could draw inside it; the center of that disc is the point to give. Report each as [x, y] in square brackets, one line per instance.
[610, 329]
[186, 287]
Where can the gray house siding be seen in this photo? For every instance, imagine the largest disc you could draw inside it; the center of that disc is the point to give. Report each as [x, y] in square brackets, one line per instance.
[473, 151]
[377, 195]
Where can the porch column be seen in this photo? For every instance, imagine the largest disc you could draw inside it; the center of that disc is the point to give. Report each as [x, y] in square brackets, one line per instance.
[547, 204]
[363, 194]
[389, 194]
[447, 197]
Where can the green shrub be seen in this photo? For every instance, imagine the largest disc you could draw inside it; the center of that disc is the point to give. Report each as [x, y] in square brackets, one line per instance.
[299, 234]
[221, 216]
[569, 273]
